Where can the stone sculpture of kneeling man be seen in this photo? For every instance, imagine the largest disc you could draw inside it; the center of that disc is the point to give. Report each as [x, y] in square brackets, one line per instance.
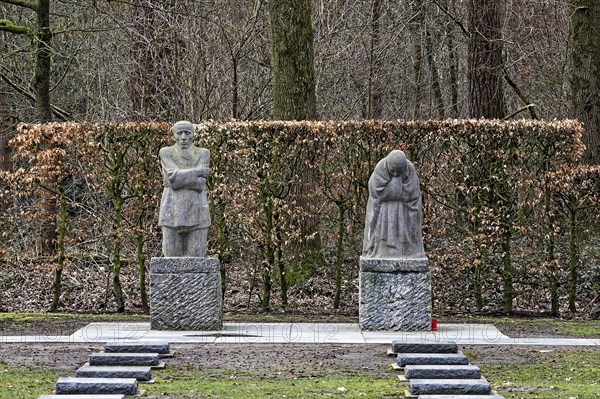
[184, 216]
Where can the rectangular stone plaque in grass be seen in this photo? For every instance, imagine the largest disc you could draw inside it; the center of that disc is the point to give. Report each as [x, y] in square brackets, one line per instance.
[124, 359]
[73, 385]
[453, 387]
[140, 373]
[441, 372]
[405, 359]
[400, 346]
[137, 347]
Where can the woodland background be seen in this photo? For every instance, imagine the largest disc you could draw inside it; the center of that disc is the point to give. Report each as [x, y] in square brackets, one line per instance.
[159, 60]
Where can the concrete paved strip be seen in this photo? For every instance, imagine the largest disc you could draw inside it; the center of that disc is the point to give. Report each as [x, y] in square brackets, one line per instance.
[400, 346]
[74, 385]
[124, 359]
[162, 348]
[82, 397]
[442, 372]
[405, 359]
[317, 333]
[140, 373]
[461, 387]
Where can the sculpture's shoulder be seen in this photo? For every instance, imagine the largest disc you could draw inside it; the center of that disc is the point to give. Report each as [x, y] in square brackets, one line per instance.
[203, 154]
[166, 152]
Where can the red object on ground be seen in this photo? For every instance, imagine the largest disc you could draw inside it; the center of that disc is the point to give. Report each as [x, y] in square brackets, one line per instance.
[433, 325]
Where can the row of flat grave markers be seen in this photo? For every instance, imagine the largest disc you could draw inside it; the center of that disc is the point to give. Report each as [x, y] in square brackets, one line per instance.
[437, 370]
[114, 373]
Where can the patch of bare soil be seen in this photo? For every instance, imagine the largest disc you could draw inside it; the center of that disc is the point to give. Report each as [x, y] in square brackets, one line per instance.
[285, 360]
[58, 356]
[268, 360]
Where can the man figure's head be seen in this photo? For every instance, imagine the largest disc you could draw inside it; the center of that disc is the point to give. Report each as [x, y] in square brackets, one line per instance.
[183, 132]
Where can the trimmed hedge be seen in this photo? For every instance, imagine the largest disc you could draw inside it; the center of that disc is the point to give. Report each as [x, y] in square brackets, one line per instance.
[507, 226]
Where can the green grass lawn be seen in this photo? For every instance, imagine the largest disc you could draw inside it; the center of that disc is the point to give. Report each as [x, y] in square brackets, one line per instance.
[25, 383]
[552, 376]
[196, 383]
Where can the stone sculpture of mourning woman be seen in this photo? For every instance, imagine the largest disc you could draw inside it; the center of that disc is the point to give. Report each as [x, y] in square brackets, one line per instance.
[393, 219]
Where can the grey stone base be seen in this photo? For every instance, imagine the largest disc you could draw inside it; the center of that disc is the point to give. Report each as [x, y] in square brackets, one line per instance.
[393, 265]
[185, 294]
[394, 299]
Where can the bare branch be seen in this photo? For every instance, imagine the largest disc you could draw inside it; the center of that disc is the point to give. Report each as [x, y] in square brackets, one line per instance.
[8, 26]
[58, 112]
[521, 95]
[22, 3]
[529, 107]
[453, 18]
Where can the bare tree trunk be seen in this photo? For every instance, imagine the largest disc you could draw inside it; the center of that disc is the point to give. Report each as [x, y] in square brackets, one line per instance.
[294, 98]
[453, 70]
[417, 27]
[435, 78]
[43, 63]
[43, 66]
[375, 94]
[6, 129]
[155, 54]
[585, 83]
[486, 89]
[292, 60]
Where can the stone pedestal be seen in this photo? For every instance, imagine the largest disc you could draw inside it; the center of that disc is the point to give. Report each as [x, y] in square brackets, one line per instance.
[185, 294]
[394, 294]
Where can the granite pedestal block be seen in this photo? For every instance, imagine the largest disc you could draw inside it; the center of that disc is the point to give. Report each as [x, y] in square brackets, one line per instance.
[185, 294]
[394, 294]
